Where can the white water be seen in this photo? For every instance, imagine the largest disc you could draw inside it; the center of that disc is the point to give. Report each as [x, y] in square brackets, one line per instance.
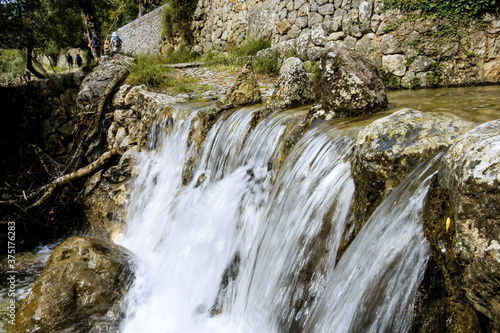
[268, 229]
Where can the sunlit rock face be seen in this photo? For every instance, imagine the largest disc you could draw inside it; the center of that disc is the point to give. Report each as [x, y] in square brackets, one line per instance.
[80, 288]
[388, 149]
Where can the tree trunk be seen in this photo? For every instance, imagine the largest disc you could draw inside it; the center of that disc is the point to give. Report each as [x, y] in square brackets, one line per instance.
[90, 20]
[142, 7]
[29, 59]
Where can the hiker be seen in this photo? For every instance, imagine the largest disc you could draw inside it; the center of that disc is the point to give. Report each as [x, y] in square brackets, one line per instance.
[116, 42]
[95, 45]
[78, 60]
[69, 60]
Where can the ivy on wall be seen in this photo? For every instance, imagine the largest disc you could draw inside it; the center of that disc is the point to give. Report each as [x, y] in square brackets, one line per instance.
[454, 9]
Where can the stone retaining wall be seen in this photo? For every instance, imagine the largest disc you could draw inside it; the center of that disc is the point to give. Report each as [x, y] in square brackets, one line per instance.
[143, 36]
[414, 51]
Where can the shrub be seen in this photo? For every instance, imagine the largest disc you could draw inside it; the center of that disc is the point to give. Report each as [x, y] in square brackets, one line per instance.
[177, 19]
[12, 64]
[183, 54]
[390, 80]
[267, 64]
[312, 67]
[151, 71]
[250, 47]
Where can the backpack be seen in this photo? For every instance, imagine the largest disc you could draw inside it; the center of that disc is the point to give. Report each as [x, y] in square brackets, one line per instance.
[117, 42]
[95, 42]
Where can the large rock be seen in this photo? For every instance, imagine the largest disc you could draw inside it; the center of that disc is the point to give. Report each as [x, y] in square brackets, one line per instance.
[82, 282]
[245, 91]
[89, 141]
[470, 172]
[460, 218]
[348, 85]
[388, 149]
[107, 192]
[293, 88]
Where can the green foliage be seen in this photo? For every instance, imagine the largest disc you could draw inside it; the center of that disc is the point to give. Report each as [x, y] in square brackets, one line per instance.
[184, 84]
[267, 64]
[391, 27]
[250, 47]
[312, 67]
[434, 74]
[177, 19]
[12, 65]
[151, 71]
[390, 80]
[183, 54]
[453, 9]
[444, 32]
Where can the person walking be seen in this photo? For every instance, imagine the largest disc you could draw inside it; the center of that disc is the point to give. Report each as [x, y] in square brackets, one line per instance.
[78, 60]
[95, 46]
[69, 60]
[116, 42]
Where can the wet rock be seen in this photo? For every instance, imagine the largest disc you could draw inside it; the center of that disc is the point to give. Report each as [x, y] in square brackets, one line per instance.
[470, 172]
[106, 193]
[388, 149]
[348, 85]
[82, 282]
[293, 88]
[443, 307]
[105, 198]
[245, 91]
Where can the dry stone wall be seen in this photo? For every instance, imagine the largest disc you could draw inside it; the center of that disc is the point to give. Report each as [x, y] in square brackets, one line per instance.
[416, 52]
[143, 36]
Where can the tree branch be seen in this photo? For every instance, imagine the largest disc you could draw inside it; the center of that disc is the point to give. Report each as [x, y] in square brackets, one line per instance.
[47, 190]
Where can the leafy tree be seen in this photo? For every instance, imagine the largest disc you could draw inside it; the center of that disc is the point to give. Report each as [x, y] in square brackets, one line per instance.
[45, 24]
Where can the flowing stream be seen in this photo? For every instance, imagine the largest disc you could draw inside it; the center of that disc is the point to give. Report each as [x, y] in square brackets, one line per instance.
[252, 243]
[249, 246]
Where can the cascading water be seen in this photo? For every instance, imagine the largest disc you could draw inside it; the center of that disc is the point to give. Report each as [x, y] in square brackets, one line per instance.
[373, 287]
[248, 248]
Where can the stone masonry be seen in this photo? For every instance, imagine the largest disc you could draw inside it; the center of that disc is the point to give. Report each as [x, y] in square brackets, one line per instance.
[143, 36]
[414, 50]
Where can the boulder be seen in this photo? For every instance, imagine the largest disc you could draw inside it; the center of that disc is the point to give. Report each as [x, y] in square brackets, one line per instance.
[388, 149]
[245, 91]
[79, 289]
[348, 85]
[293, 88]
[460, 219]
[470, 172]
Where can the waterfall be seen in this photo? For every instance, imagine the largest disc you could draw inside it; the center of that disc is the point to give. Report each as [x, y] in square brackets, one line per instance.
[249, 246]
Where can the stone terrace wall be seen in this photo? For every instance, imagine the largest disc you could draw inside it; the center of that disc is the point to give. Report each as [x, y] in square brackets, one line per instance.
[143, 36]
[413, 50]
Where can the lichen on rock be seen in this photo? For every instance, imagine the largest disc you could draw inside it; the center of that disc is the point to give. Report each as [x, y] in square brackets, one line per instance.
[388, 149]
[80, 288]
[348, 85]
[293, 88]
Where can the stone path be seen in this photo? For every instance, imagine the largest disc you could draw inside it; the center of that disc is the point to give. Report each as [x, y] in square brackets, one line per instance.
[218, 83]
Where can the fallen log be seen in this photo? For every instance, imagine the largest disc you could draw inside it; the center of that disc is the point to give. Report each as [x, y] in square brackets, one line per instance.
[45, 192]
